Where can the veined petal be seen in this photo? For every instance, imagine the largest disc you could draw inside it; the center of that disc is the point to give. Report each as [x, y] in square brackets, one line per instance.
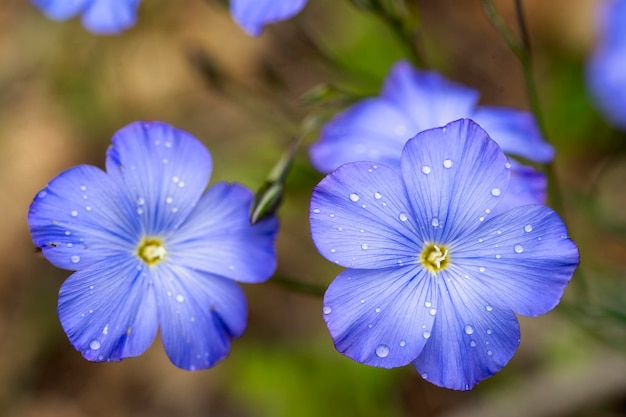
[108, 310]
[252, 15]
[217, 238]
[454, 177]
[164, 171]
[527, 186]
[381, 317]
[523, 257]
[472, 338]
[429, 99]
[515, 131]
[199, 314]
[110, 16]
[61, 9]
[82, 217]
[375, 129]
[361, 218]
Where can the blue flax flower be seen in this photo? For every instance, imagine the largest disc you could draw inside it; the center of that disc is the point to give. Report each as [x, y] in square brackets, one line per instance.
[101, 17]
[606, 70]
[376, 129]
[253, 15]
[434, 278]
[151, 251]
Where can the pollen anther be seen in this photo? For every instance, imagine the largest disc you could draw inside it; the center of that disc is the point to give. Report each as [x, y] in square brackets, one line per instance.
[151, 251]
[434, 257]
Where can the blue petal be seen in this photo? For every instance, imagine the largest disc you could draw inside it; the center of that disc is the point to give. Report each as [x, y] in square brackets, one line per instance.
[515, 131]
[606, 79]
[199, 314]
[429, 99]
[361, 218]
[110, 16]
[164, 170]
[252, 15]
[527, 186]
[372, 130]
[217, 238]
[108, 310]
[381, 317]
[454, 177]
[82, 217]
[611, 16]
[522, 257]
[472, 338]
[61, 9]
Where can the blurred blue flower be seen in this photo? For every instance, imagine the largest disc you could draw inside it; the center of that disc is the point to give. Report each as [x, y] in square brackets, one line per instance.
[376, 129]
[102, 17]
[253, 15]
[434, 278]
[150, 250]
[606, 69]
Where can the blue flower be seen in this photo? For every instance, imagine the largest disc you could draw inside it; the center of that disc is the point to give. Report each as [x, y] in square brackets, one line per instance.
[434, 278]
[253, 15]
[101, 17]
[150, 250]
[411, 101]
[606, 70]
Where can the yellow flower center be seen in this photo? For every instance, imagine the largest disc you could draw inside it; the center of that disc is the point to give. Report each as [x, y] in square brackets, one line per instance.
[151, 250]
[434, 257]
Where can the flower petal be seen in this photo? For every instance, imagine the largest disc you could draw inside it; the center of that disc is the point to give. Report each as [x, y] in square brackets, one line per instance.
[217, 238]
[515, 131]
[523, 257]
[381, 317]
[164, 170]
[252, 15]
[108, 310]
[61, 9]
[472, 338]
[606, 79]
[527, 186]
[372, 130]
[82, 217]
[454, 177]
[429, 99]
[360, 217]
[199, 314]
[110, 16]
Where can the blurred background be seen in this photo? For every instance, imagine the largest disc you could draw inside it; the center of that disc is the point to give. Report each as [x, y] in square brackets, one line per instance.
[64, 92]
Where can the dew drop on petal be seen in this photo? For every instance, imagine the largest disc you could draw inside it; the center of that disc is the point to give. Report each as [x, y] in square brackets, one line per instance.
[316, 211]
[426, 169]
[42, 194]
[507, 165]
[435, 222]
[333, 250]
[141, 201]
[94, 345]
[469, 329]
[175, 179]
[489, 331]
[433, 311]
[528, 228]
[106, 329]
[488, 308]
[181, 184]
[427, 304]
[354, 197]
[377, 310]
[364, 246]
[75, 259]
[425, 375]
[495, 192]
[327, 310]
[498, 256]
[403, 217]
[402, 343]
[180, 298]
[74, 213]
[426, 335]
[382, 351]
[472, 343]
[481, 269]
[378, 195]
[169, 200]
[447, 163]
[489, 353]
[88, 208]
[518, 248]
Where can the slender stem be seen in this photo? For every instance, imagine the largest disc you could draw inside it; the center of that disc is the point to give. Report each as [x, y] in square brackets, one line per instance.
[298, 286]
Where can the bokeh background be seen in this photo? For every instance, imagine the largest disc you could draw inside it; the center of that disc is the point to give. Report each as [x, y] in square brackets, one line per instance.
[64, 92]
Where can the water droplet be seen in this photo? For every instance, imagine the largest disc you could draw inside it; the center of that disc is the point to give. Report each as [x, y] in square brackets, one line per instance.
[472, 343]
[507, 165]
[141, 201]
[333, 250]
[447, 163]
[426, 335]
[327, 310]
[427, 304]
[106, 329]
[499, 232]
[180, 298]
[175, 210]
[316, 211]
[495, 192]
[377, 310]
[164, 161]
[469, 329]
[402, 343]
[340, 229]
[498, 256]
[69, 245]
[354, 197]
[488, 308]
[426, 169]
[425, 375]
[362, 301]
[403, 217]
[487, 211]
[518, 248]
[75, 259]
[480, 240]
[489, 331]
[435, 222]
[481, 218]
[175, 179]
[433, 311]
[42, 194]
[382, 351]
[489, 353]
[364, 246]
[378, 195]
[168, 144]
[181, 184]
[528, 228]
[331, 215]
[139, 210]
[481, 269]
[94, 345]
[74, 213]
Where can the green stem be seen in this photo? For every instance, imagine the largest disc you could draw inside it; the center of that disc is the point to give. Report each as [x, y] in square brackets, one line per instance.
[301, 287]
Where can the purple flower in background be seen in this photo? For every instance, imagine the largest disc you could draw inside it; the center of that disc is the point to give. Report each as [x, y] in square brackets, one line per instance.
[411, 101]
[606, 70]
[102, 17]
[150, 250]
[253, 15]
[434, 278]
